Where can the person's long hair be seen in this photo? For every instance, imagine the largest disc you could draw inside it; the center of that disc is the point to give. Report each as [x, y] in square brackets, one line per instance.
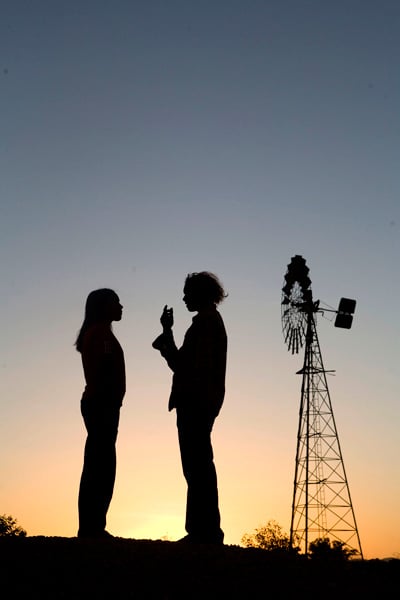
[96, 311]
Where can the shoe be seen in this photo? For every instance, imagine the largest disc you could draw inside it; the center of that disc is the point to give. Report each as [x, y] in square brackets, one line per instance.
[188, 539]
[192, 539]
[106, 535]
[103, 535]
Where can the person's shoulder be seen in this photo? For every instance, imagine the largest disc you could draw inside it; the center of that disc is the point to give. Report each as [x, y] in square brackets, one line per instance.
[220, 321]
[216, 316]
[211, 318]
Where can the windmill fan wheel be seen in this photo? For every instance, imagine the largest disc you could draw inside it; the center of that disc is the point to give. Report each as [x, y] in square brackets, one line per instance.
[296, 300]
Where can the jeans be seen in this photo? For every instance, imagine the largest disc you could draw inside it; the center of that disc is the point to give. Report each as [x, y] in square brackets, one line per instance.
[202, 512]
[99, 466]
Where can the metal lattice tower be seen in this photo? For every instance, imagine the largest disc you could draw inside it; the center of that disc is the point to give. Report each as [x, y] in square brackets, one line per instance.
[322, 506]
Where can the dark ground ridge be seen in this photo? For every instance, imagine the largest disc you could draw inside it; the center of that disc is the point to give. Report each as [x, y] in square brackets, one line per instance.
[69, 568]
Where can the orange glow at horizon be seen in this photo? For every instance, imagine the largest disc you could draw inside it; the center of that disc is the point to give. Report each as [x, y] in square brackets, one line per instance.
[149, 497]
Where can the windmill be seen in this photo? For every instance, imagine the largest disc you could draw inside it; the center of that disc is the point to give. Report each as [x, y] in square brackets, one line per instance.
[322, 506]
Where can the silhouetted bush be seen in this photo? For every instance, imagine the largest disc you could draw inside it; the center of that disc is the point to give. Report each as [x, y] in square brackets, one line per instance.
[269, 537]
[9, 527]
[323, 548]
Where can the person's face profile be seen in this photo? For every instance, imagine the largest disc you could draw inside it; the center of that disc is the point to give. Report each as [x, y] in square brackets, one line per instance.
[115, 308]
[189, 298]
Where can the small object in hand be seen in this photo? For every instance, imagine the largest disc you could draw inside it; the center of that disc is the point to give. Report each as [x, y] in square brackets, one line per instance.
[167, 318]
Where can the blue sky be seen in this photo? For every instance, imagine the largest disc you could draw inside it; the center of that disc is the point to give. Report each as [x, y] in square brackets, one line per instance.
[140, 141]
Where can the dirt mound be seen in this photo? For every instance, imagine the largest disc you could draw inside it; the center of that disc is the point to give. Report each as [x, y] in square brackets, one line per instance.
[69, 568]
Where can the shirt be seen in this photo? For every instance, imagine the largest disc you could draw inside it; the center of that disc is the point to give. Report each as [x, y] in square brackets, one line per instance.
[199, 365]
[103, 365]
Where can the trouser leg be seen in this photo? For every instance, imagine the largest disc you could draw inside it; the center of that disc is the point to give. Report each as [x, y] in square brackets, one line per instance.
[202, 511]
[98, 474]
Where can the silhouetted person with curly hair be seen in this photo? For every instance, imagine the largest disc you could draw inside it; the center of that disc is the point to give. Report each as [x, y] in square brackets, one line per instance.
[104, 370]
[198, 389]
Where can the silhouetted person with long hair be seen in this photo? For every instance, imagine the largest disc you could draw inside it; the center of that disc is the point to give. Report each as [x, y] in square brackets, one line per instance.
[198, 389]
[104, 370]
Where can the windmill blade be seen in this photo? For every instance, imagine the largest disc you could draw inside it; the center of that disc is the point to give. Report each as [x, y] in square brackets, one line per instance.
[287, 334]
[290, 340]
[295, 342]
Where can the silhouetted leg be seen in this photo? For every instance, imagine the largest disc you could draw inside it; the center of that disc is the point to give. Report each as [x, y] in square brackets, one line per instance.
[99, 468]
[202, 512]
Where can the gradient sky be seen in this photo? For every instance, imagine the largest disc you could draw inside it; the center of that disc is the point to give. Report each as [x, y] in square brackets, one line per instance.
[142, 140]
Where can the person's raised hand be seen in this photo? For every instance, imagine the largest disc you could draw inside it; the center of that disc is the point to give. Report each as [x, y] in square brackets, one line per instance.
[167, 318]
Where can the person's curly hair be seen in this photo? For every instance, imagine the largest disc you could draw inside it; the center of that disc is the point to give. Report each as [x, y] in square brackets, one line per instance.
[206, 286]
